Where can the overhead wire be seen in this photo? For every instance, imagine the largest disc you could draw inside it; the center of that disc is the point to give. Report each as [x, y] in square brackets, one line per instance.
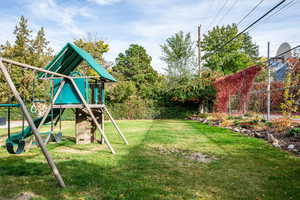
[228, 11]
[250, 12]
[217, 15]
[284, 7]
[253, 23]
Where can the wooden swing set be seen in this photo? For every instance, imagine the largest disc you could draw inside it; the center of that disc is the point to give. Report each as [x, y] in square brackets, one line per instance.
[63, 79]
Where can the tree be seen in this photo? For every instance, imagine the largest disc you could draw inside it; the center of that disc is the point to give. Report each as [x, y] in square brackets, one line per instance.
[135, 65]
[40, 49]
[26, 50]
[236, 55]
[96, 48]
[179, 55]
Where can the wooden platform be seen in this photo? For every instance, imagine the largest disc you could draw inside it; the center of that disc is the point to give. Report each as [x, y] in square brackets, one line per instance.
[78, 106]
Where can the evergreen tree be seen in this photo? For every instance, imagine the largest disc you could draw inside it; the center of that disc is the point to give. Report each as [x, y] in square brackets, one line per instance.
[135, 65]
[40, 51]
[25, 50]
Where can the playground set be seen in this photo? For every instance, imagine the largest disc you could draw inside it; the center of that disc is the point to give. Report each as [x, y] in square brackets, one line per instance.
[67, 90]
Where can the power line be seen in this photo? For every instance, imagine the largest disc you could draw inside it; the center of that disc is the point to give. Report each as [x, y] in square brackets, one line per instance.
[231, 7]
[217, 15]
[253, 23]
[286, 6]
[278, 56]
[251, 11]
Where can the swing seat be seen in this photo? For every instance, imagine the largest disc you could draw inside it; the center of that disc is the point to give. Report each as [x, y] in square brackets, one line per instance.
[9, 105]
[20, 149]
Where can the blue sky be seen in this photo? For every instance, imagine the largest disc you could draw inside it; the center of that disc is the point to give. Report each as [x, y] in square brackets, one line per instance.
[145, 22]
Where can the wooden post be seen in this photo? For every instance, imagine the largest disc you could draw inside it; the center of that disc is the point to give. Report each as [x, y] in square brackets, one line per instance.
[116, 126]
[32, 125]
[83, 128]
[92, 115]
[199, 50]
[269, 86]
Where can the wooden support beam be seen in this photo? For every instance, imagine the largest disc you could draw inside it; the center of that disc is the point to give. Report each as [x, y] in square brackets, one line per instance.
[32, 125]
[93, 116]
[77, 106]
[115, 124]
[34, 68]
[62, 83]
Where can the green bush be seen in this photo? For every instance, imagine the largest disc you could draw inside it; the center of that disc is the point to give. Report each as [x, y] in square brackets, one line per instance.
[294, 132]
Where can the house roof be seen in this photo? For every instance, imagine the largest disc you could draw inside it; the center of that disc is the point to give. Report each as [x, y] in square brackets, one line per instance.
[66, 61]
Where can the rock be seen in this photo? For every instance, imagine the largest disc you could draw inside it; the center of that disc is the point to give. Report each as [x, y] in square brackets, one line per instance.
[236, 129]
[205, 121]
[276, 145]
[291, 147]
[25, 196]
[273, 140]
[258, 135]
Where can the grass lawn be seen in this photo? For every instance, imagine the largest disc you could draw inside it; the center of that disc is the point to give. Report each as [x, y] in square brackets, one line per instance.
[244, 168]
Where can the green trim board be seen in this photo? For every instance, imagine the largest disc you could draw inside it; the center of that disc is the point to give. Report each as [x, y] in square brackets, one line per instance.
[68, 93]
[9, 105]
[66, 61]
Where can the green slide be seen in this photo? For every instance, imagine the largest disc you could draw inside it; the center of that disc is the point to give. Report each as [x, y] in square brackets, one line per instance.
[18, 138]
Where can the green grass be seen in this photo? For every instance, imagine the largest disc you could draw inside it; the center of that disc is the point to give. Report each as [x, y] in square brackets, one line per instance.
[245, 168]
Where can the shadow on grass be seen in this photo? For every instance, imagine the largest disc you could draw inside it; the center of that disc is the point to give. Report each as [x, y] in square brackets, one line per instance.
[140, 174]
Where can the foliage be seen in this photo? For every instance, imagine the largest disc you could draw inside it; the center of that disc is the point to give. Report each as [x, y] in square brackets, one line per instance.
[238, 54]
[281, 124]
[96, 48]
[218, 116]
[294, 132]
[230, 85]
[290, 94]
[227, 123]
[178, 54]
[135, 65]
[139, 171]
[121, 92]
[258, 98]
[26, 50]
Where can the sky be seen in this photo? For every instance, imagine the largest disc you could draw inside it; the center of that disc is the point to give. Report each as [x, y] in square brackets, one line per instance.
[147, 22]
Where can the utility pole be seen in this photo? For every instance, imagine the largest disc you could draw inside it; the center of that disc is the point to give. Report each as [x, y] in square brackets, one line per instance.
[201, 106]
[199, 50]
[269, 85]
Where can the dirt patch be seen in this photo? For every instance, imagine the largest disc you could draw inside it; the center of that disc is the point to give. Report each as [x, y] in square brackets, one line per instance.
[78, 151]
[26, 196]
[2, 140]
[187, 154]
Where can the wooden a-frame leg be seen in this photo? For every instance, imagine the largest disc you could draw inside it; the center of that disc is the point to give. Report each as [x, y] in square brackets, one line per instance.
[47, 113]
[92, 116]
[115, 124]
[32, 125]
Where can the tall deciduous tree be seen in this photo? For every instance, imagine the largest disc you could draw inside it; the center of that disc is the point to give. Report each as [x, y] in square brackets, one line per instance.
[179, 55]
[236, 55]
[96, 48]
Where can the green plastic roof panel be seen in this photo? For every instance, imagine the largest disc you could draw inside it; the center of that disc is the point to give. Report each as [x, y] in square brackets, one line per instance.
[66, 61]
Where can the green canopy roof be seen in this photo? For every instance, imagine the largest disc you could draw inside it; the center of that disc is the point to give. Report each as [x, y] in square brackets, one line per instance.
[66, 61]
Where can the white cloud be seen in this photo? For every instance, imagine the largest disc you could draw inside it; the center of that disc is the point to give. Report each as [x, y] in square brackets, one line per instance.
[148, 22]
[64, 16]
[6, 33]
[105, 2]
